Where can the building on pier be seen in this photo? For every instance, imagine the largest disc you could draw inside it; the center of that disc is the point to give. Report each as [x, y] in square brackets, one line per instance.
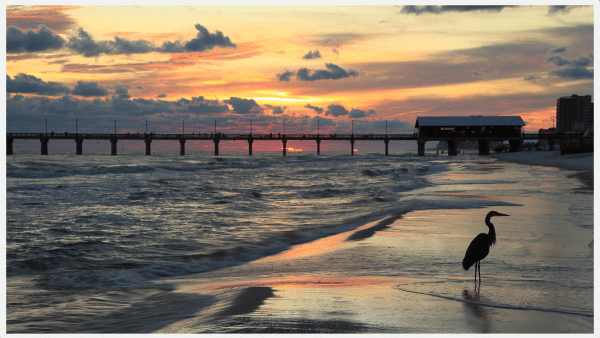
[483, 129]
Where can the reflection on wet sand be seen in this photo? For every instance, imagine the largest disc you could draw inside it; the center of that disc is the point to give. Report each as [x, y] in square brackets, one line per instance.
[479, 317]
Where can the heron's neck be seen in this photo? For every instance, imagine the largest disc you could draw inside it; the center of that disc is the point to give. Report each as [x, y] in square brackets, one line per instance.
[492, 232]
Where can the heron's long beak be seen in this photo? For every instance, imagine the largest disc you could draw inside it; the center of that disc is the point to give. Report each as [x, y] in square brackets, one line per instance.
[499, 214]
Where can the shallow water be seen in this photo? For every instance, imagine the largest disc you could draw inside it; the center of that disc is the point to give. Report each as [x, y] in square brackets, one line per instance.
[90, 239]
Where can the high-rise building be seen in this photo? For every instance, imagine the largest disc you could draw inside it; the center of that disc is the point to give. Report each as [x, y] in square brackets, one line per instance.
[569, 112]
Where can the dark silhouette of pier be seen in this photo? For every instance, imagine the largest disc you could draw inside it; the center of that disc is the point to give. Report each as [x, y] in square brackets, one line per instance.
[217, 138]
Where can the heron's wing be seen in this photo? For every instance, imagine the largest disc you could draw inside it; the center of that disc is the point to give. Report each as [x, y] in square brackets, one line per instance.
[477, 250]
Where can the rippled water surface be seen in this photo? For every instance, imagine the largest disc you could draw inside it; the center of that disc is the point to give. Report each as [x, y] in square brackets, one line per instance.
[86, 234]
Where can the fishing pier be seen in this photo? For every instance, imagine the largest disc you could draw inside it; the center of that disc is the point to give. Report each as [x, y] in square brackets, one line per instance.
[484, 130]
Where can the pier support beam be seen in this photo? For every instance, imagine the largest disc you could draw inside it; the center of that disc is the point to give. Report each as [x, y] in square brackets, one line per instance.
[421, 148]
[113, 146]
[250, 141]
[352, 145]
[318, 146]
[44, 142]
[484, 147]
[9, 148]
[79, 146]
[452, 148]
[181, 146]
[387, 142]
[284, 145]
[216, 146]
[148, 141]
[515, 145]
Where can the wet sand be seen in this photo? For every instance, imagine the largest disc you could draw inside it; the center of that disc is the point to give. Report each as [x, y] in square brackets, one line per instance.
[332, 285]
[346, 283]
[583, 164]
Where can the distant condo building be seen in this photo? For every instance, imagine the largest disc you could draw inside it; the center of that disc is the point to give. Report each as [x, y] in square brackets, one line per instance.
[574, 113]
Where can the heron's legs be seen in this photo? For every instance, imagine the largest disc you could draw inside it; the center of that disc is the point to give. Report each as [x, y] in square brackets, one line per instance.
[479, 264]
[476, 272]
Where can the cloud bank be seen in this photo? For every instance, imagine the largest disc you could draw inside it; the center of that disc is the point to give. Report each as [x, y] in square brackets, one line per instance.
[84, 44]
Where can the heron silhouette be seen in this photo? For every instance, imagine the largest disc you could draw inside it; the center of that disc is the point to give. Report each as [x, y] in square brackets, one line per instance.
[480, 246]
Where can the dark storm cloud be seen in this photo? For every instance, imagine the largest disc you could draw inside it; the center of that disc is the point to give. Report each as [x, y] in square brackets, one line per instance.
[576, 73]
[44, 39]
[317, 109]
[558, 50]
[242, 106]
[357, 113]
[204, 40]
[285, 77]
[443, 9]
[333, 72]
[275, 110]
[582, 61]
[317, 122]
[552, 10]
[199, 105]
[312, 55]
[83, 43]
[23, 83]
[336, 110]
[89, 89]
[122, 91]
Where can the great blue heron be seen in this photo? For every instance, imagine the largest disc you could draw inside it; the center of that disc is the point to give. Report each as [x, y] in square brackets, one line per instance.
[480, 246]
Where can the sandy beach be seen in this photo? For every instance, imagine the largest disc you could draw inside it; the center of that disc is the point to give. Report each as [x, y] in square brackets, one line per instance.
[345, 283]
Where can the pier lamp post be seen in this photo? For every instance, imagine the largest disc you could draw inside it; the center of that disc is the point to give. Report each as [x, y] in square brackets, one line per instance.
[183, 128]
[250, 126]
[318, 129]
[386, 127]
[215, 128]
[146, 126]
[76, 128]
[46, 126]
[115, 127]
[352, 127]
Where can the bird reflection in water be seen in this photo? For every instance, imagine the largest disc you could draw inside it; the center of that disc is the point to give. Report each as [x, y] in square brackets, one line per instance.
[475, 311]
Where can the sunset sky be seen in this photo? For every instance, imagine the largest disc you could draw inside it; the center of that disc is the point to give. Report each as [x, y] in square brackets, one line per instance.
[298, 64]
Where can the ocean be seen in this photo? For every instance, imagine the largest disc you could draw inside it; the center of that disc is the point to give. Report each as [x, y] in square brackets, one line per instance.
[91, 237]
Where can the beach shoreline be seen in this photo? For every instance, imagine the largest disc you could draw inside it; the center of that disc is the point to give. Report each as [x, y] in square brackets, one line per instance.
[583, 164]
[324, 286]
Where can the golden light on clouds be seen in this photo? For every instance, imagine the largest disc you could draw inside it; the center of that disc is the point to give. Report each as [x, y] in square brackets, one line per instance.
[301, 60]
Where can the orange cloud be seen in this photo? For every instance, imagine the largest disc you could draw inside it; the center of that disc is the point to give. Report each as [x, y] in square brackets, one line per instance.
[31, 17]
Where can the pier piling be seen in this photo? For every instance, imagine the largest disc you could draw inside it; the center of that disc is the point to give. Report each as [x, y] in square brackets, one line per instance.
[216, 146]
[9, 147]
[79, 146]
[452, 148]
[284, 145]
[113, 146]
[386, 141]
[44, 142]
[318, 146]
[181, 146]
[484, 147]
[421, 147]
[250, 141]
[148, 141]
